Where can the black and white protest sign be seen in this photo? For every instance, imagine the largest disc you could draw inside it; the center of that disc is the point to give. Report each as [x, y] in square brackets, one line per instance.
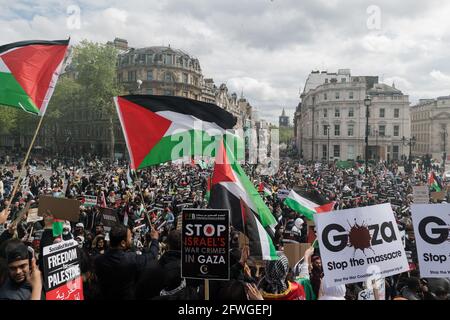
[205, 244]
[109, 218]
[431, 224]
[356, 244]
[62, 274]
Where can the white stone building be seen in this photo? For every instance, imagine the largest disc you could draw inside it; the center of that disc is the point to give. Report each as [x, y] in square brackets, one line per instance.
[331, 118]
[430, 124]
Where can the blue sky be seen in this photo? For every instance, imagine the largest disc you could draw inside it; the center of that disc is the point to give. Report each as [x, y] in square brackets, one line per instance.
[265, 48]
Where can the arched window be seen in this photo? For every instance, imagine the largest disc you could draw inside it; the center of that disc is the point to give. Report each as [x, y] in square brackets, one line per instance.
[168, 77]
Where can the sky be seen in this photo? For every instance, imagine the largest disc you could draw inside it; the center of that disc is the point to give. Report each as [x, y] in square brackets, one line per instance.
[263, 48]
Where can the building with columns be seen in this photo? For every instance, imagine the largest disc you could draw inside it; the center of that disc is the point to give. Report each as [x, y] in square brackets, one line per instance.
[430, 124]
[330, 120]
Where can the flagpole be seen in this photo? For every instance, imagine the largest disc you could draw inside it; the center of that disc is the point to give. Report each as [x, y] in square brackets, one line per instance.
[16, 185]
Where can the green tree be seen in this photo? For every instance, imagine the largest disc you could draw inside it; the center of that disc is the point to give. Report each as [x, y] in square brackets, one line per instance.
[8, 118]
[95, 66]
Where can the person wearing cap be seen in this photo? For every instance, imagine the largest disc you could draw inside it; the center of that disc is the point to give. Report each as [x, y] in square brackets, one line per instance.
[79, 230]
[24, 280]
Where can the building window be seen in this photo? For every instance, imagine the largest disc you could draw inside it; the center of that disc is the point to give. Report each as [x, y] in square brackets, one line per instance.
[325, 130]
[168, 77]
[351, 152]
[343, 80]
[336, 151]
[396, 113]
[149, 91]
[382, 131]
[350, 95]
[325, 113]
[337, 130]
[326, 80]
[168, 59]
[324, 151]
[131, 76]
[168, 92]
[351, 112]
[325, 96]
[149, 75]
[396, 131]
[395, 152]
[337, 95]
[119, 77]
[185, 78]
[382, 113]
[337, 113]
[350, 130]
[185, 94]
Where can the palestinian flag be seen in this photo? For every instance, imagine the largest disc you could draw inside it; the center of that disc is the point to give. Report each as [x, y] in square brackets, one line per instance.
[28, 73]
[231, 189]
[264, 188]
[159, 129]
[304, 206]
[434, 182]
[57, 227]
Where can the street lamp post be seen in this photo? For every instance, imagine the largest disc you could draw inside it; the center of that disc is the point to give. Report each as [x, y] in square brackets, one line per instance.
[376, 145]
[367, 103]
[409, 142]
[328, 148]
[444, 155]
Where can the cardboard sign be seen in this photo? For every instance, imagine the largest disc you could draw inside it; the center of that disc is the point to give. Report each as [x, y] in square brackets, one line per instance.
[33, 215]
[295, 252]
[60, 208]
[205, 245]
[109, 218]
[437, 196]
[62, 274]
[356, 244]
[421, 194]
[368, 293]
[90, 201]
[431, 224]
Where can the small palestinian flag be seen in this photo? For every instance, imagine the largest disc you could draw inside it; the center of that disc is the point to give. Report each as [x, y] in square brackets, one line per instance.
[434, 182]
[29, 71]
[231, 189]
[159, 129]
[304, 206]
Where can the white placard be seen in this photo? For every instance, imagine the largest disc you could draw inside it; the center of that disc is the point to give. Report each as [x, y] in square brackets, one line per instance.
[421, 194]
[359, 244]
[431, 224]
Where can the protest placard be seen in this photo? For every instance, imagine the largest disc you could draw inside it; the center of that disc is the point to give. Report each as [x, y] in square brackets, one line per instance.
[431, 228]
[282, 193]
[33, 215]
[421, 194]
[62, 274]
[60, 208]
[205, 244]
[437, 196]
[109, 218]
[295, 252]
[358, 243]
[90, 201]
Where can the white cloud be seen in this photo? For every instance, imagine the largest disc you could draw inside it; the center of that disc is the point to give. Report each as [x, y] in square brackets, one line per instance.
[267, 48]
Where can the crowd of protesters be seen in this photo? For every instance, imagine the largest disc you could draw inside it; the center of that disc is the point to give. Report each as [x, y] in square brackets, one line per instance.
[140, 258]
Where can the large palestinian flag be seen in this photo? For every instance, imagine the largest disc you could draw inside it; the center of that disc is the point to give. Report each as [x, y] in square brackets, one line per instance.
[159, 129]
[231, 189]
[29, 71]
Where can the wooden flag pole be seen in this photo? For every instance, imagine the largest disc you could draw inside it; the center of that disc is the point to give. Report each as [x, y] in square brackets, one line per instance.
[24, 164]
[206, 289]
